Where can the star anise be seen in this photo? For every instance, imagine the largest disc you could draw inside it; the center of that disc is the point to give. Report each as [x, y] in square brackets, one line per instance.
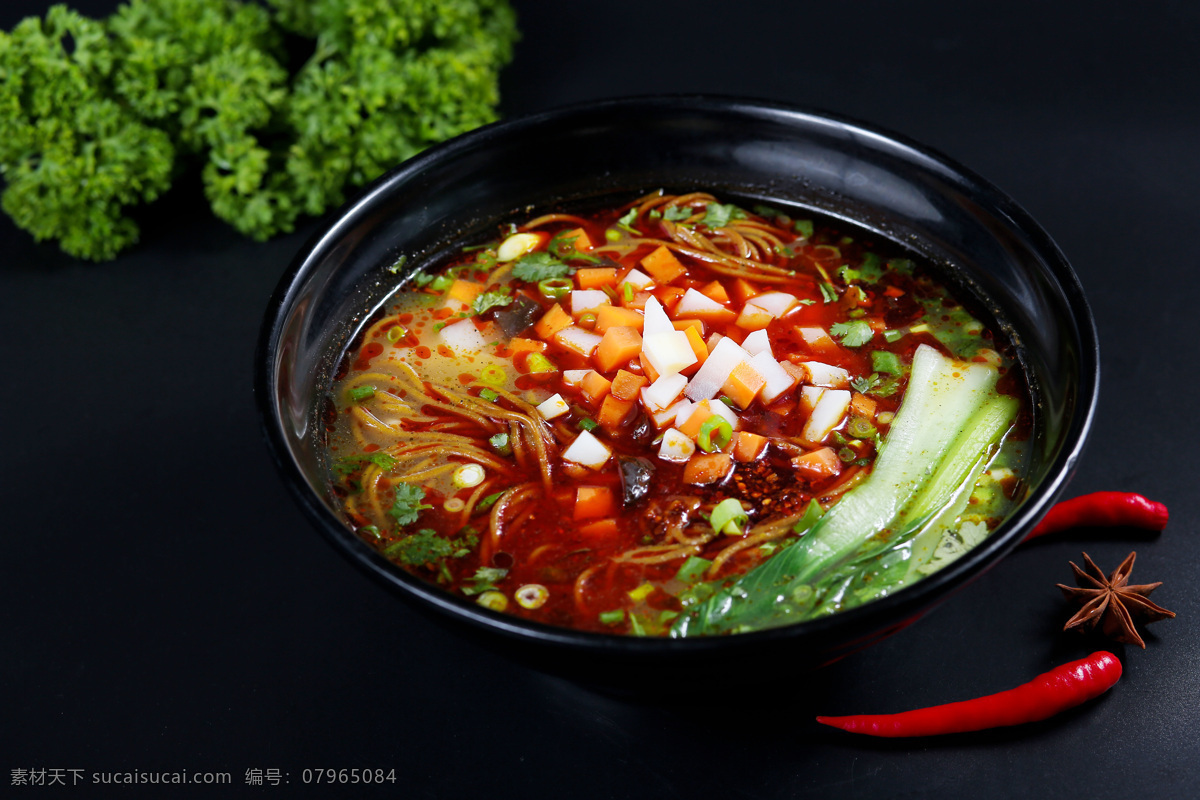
[1111, 602]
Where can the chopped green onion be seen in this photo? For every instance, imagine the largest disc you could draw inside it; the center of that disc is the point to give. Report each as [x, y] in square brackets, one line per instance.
[468, 475]
[489, 395]
[726, 400]
[493, 374]
[627, 289]
[453, 505]
[613, 235]
[500, 442]
[846, 455]
[641, 593]
[555, 288]
[532, 595]
[441, 283]
[493, 600]
[539, 363]
[588, 424]
[860, 428]
[729, 517]
[890, 336]
[396, 333]
[370, 530]
[587, 320]
[718, 425]
[360, 393]
[612, 617]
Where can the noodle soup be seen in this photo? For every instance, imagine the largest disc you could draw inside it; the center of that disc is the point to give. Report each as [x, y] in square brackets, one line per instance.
[676, 417]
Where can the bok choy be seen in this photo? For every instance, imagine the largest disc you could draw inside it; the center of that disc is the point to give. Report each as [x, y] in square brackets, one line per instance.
[948, 427]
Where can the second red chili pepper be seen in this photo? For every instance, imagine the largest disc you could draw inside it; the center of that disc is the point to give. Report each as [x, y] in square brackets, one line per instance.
[1046, 695]
[1103, 509]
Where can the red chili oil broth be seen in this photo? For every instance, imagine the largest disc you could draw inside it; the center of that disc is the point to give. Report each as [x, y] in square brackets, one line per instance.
[542, 542]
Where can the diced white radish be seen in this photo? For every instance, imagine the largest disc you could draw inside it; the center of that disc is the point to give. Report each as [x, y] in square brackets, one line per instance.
[681, 411]
[662, 394]
[817, 338]
[779, 382]
[757, 342]
[553, 406]
[574, 377]
[676, 447]
[722, 410]
[667, 352]
[455, 305]
[754, 317]
[517, 245]
[828, 414]
[775, 303]
[657, 320]
[809, 395]
[716, 369]
[585, 300]
[693, 302]
[463, 337]
[575, 338]
[827, 375]
[587, 450]
[637, 279]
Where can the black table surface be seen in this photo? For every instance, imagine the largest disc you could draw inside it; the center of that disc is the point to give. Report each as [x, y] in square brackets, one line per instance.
[166, 607]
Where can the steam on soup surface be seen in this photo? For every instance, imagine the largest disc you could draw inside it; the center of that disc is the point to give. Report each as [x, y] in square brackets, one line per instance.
[676, 417]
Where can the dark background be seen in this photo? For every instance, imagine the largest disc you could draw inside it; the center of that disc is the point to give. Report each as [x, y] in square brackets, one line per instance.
[165, 606]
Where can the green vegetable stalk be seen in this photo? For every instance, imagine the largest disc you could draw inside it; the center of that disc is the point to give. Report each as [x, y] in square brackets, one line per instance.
[99, 116]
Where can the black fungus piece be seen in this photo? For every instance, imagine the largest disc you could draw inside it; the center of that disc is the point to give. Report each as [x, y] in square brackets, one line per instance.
[635, 477]
[516, 317]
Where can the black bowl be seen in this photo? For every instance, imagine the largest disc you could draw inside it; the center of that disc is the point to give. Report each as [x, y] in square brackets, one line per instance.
[982, 241]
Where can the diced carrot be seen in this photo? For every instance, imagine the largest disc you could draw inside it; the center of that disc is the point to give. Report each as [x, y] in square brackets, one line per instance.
[818, 464]
[684, 324]
[552, 322]
[714, 291]
[795, 370]
[464, 291]
[613, 412]
[748, 446]
[742, 290]
[519, 345]
[595, 277]
[578, 237]
[647, 368]
[863, 406]
[594, 501]
[705, 468]
[626, 385]
[743, 384]
[600, 529]
[612, 316]
[663, 266]
[894, 291]
[594, 387]
[618, 345]
[698, 347]
[638, 301]
[669, 296]
[700, 414]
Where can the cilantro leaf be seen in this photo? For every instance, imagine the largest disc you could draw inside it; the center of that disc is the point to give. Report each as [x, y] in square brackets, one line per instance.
[804, 227]
[864, 385]
[677, 213]
[420, 548]
[538, 267]
[871, 268]
[351, 464]
[717, 215]
[407, 506]
[828, 293]
[854, 333]
[487, 300]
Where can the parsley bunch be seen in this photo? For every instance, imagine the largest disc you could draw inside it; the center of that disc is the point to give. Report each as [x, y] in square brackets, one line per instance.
[98, 116]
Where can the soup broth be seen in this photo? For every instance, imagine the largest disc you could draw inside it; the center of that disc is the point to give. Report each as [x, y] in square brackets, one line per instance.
[640, 420]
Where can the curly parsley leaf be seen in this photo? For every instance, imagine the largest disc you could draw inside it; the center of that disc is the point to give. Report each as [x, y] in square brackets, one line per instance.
[539, 267]
[407, 506]
[488, 300]
[855, 333]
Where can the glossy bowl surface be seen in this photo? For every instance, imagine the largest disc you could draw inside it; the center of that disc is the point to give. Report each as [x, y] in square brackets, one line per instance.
[978, 237]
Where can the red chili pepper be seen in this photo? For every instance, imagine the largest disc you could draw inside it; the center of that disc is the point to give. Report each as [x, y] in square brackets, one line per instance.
[1103, 509]
[1046, 695]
